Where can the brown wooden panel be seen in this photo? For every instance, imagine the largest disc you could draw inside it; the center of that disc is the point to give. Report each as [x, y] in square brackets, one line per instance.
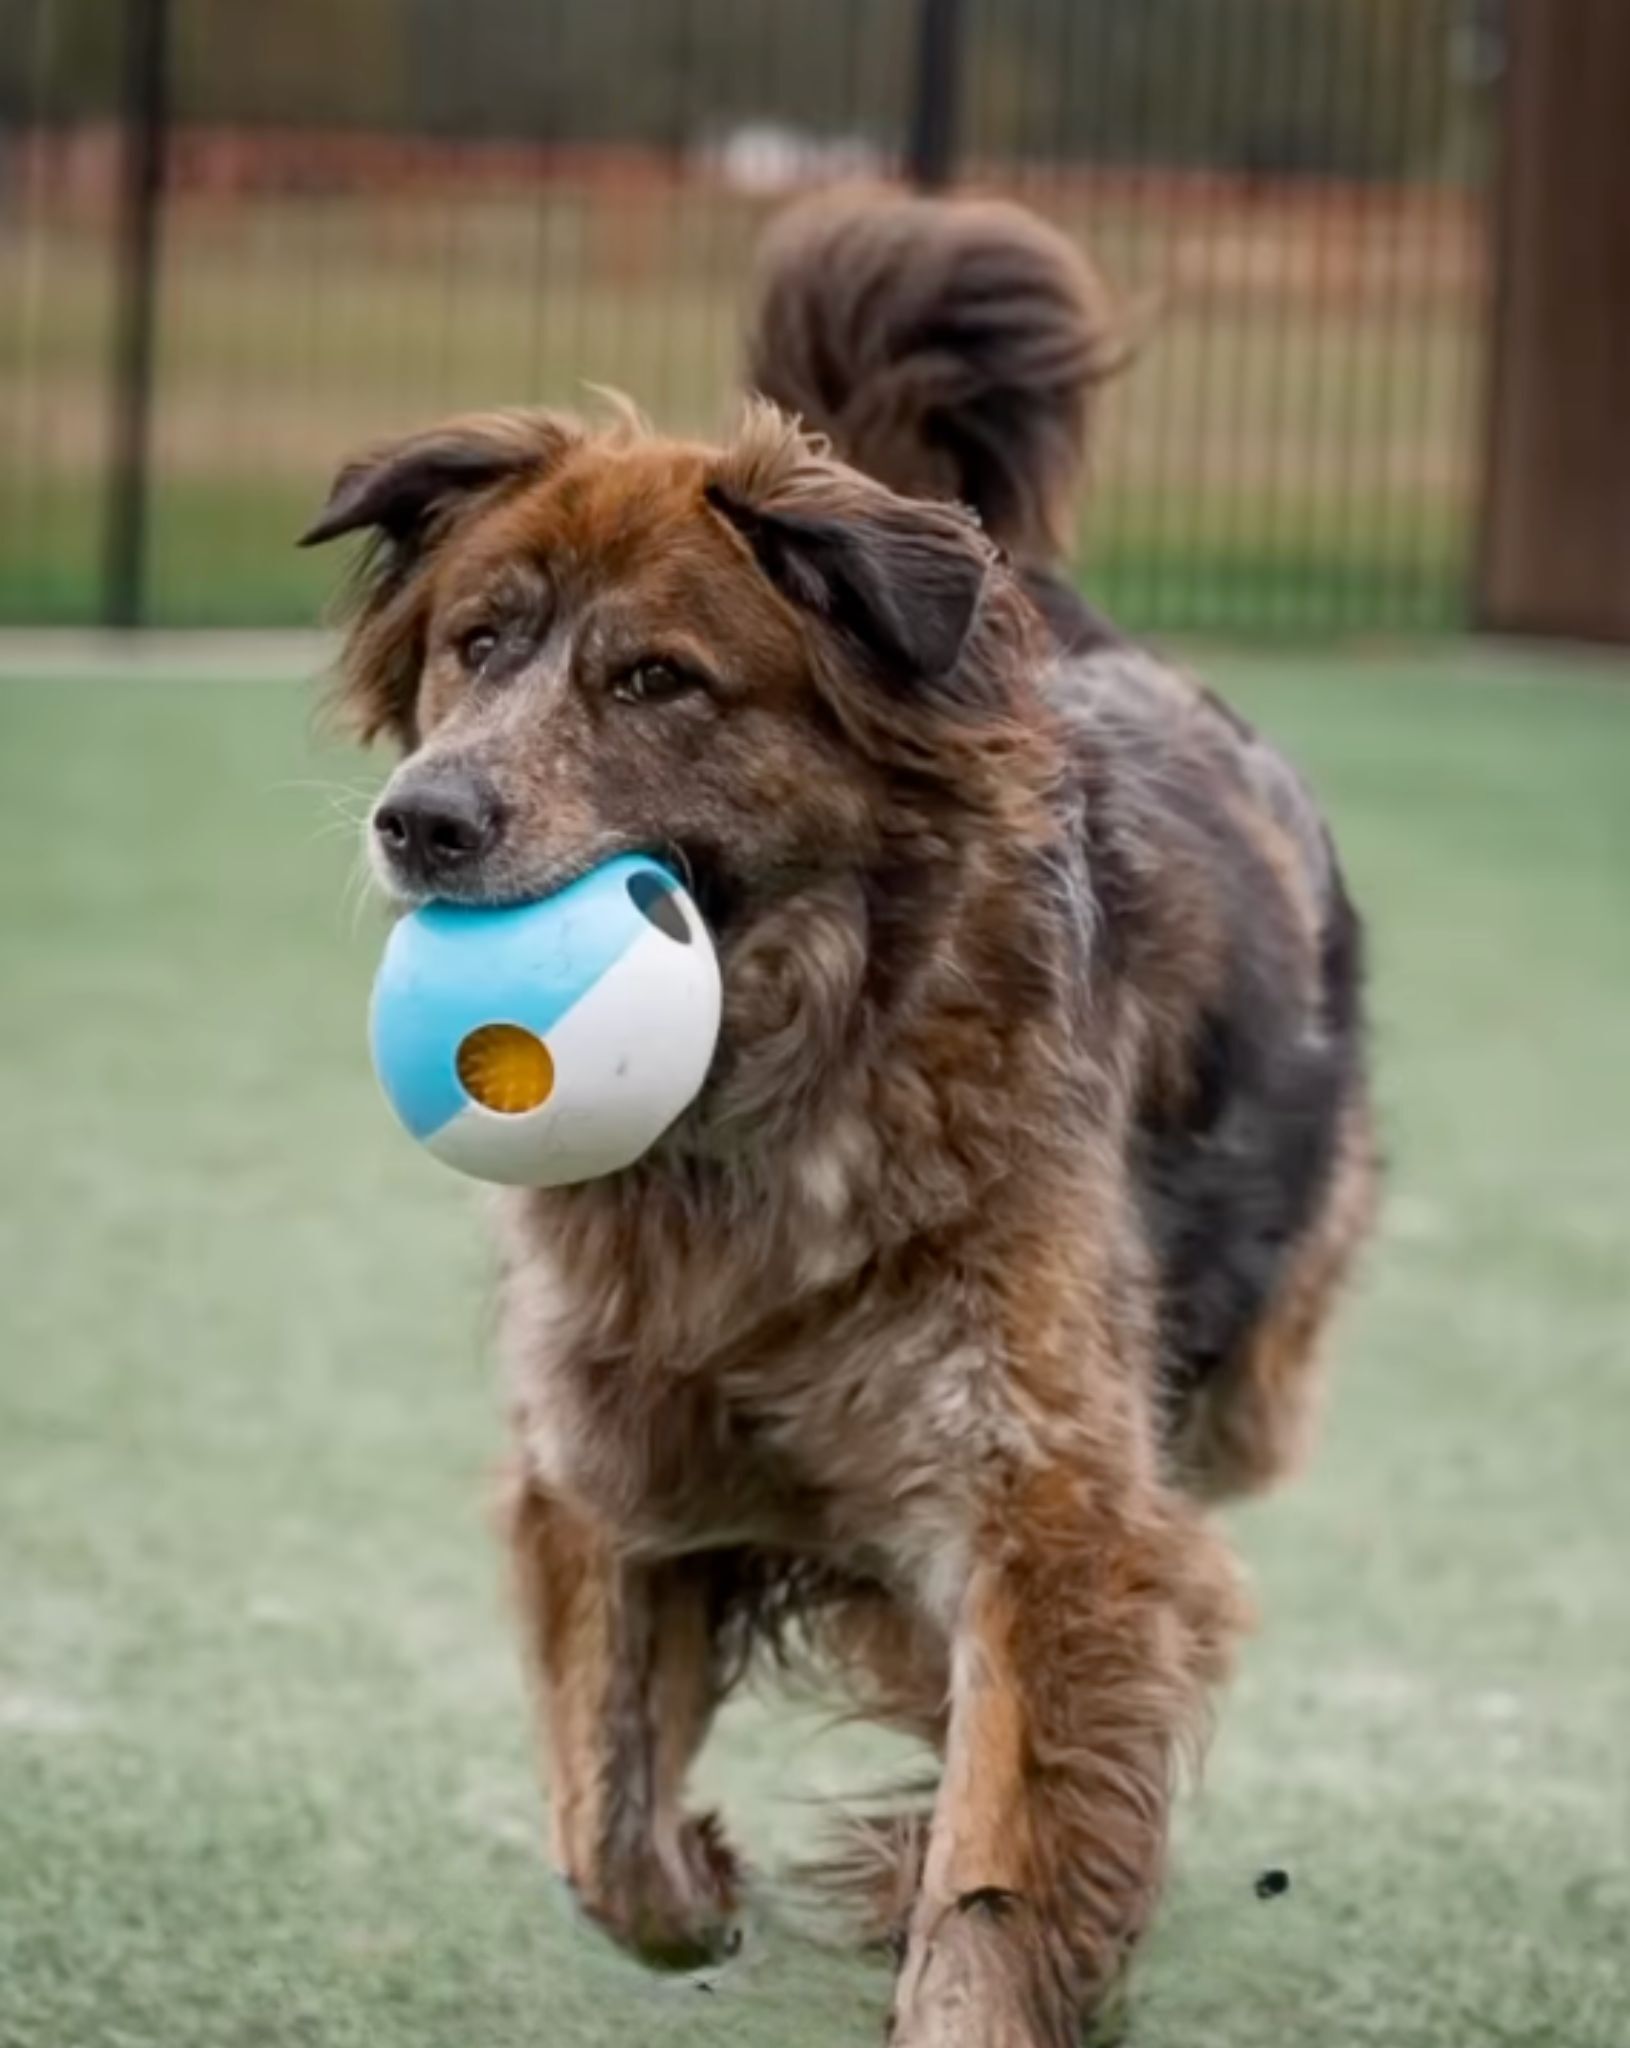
[1556, 542]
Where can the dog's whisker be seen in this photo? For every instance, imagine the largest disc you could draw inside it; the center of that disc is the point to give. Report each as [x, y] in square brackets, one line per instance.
[329, 828]
[334, 828]
[349, 805]
[363, 790]
[357, 894]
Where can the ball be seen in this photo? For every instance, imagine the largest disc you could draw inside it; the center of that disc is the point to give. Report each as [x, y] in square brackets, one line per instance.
[550, 1042]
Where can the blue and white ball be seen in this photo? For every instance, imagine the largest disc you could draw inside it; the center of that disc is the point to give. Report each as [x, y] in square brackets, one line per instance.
[550, 1042]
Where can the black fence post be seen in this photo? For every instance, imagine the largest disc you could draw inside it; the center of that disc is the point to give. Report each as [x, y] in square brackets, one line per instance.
[144, 115]
[932, 145]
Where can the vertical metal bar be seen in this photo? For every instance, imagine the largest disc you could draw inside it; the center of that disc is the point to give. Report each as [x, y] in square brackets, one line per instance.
[1342, 105]
[1480, 366]
[931, 146]
[1426, 303]
[1516, 47]
[1365, 386]
[1203, 465]
[1227, 601]
[145, 119]
[1144, 149]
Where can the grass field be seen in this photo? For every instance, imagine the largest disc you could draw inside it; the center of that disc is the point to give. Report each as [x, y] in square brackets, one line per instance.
[263, 1765]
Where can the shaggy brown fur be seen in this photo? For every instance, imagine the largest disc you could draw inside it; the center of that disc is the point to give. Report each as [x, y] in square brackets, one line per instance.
[1008, 1220]
[951, 351]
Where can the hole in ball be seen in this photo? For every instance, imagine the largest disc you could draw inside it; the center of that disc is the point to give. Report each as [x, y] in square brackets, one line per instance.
[654, 899]
[506, 1068]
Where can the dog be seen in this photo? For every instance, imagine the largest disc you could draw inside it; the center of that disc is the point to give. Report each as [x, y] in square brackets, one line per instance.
[1002, 1238]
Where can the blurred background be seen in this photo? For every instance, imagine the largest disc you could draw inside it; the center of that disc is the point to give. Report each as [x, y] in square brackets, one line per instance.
[265, 1772]
[235, 239]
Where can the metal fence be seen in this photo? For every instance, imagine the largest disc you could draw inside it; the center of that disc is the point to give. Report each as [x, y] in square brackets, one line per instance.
[237, 239]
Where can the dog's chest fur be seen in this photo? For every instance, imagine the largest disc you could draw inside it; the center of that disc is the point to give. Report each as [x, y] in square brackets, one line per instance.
[775, 1367]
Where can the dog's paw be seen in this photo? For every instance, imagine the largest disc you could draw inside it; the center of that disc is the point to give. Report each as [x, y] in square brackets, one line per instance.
[675, 1910]
[981, 1977]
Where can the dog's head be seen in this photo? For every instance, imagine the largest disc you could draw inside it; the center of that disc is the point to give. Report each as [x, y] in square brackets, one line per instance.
[752, 661]
[590, 642]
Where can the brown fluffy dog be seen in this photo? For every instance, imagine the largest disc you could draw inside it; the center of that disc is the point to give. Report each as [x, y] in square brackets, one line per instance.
[1036, 1145]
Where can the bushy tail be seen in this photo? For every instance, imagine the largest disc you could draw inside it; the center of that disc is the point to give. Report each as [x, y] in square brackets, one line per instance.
[949, 348]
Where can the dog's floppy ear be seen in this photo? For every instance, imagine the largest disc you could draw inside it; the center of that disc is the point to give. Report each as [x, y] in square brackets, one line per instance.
[407, 494]
[900, 578]
[403, 487]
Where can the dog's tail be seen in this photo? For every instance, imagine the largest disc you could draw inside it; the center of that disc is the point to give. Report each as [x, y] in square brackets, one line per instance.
[949, 348]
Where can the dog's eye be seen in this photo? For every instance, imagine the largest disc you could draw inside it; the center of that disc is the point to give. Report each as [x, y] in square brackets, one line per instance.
[476, 646]
[654, 681]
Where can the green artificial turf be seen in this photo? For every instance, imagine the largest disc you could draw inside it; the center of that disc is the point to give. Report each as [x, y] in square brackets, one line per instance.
[264, 1770]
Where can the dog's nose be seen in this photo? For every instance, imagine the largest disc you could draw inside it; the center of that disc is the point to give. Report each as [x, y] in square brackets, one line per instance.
[434, 829]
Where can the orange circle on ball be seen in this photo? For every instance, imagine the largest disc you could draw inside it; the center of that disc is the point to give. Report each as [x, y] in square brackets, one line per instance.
[506, 1068]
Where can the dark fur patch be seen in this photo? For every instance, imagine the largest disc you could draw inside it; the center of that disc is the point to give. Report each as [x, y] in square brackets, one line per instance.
[401, 487]
[904, 589]
[1078, 627]
[952, 350]
[1231, 1182]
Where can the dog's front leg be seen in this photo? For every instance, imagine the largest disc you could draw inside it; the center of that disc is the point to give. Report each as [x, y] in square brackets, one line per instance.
[1087, 1634]
[624, 1666]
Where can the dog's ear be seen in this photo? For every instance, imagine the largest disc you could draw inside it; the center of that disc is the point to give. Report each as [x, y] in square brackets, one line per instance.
[403, 488]
[900, 578]
[408, 494]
